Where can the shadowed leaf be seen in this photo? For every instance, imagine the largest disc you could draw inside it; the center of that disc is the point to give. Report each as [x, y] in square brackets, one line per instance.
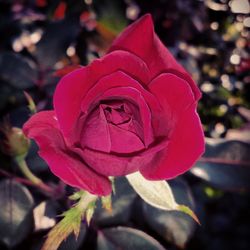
[16, 205]
[174, 226]
[225, 164]
[124, 238]
[17, 70]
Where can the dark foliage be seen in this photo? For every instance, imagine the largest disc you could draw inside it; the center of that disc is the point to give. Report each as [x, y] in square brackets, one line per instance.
[211, 39]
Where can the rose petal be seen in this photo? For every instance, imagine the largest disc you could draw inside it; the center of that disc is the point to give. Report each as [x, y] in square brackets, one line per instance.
[186, 138]
[124, 141]
[123, 86]
[95, 133]
[185, 146]
[73, 87]
[110, 164]
[175, 95]
[118, 79]
[140, 39]
[100, 135]
[42, 127]
[145, 113]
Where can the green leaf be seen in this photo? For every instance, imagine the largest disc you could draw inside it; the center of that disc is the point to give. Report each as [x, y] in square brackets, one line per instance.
[16, 205]
[71, 222]
[157, 193]
[225, 164]
[173, 226]
[125, 238]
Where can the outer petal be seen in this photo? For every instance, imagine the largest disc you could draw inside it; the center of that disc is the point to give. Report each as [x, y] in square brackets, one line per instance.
[73, 87]
[185, 146]
[141, 40]
[42, 127]
[186, 138]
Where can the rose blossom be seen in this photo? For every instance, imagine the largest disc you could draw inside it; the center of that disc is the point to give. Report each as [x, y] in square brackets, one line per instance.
[132, 110]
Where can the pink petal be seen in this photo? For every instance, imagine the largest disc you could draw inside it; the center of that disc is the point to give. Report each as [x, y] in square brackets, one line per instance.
[110, 164]
[120, 85]
[124, 141]
[130, 93]
[186, 138]
[95, 132]
[175, 95]
[140, 39]
[73, 87]
[42, 127]
[100, 135]
[172, 92]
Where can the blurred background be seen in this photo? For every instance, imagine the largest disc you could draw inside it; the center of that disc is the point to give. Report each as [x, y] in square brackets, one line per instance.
[41, 40]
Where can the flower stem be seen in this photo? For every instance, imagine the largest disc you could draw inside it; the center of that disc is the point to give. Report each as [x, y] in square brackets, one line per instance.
[30, 176]
[26, 171]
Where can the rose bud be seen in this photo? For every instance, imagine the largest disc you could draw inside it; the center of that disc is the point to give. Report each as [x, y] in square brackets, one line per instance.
[16, 144]
[132, 110]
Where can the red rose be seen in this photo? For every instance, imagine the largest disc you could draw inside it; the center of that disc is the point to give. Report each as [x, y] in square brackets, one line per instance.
[132, 110]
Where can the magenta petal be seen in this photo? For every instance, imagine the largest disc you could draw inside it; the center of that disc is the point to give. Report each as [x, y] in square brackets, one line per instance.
[186, 138]
[115, 80]
[73, 87]
[95, 133]
[42, 127]
[140, 39]
[124, 141]
[145, 113]
[122, 86]
[185, 146]
[175, 95]
[110, 164]
[102, 135]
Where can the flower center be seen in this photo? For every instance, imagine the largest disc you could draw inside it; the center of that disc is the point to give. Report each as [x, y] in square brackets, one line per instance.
[116, 113]
[113, 126]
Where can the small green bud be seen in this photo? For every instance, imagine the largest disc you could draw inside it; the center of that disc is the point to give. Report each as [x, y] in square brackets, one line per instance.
[17, 144]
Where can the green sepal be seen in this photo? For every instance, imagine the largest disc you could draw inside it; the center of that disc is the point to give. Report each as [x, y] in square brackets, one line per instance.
[71, 222]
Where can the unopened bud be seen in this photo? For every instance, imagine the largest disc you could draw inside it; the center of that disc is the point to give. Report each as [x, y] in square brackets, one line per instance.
[16, 143]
